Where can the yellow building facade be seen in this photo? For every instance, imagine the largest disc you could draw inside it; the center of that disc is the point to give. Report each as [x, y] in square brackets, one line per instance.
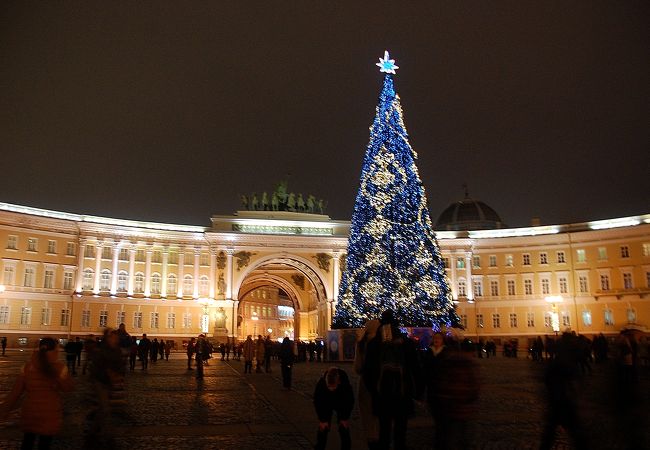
[277, 273]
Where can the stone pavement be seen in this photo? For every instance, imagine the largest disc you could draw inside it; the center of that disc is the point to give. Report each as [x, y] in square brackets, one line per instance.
[167, 408]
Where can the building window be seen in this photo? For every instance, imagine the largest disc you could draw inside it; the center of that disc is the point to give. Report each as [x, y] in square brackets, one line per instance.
[528, 287]
[530, 319]
[543, 258]
[463, 320]
[171, 320]
[156, 257]
[581, 256]
[478, 288]
[4, 314]
[493, 260]
[124, 254]
[154, 319]
[51, 246]
[479, 320]
[564, 285]
[445, 261]
[85, 318]
[140, 255]
[65, 317]
[511, 287]
[476, 261]
[67, 280]
[548, 319]
[173, 258]
[89, 276]
[188, 285]
[631, 315]
[120, 319]
[609, 317]
[604, 282]
[105, 281]
[12, 242]
[9, 275]
[48, 283]
[137, 319]
[583, 284]
[546, 286]
[122, 281]
[646, 249]
[171, 284]
[561, 259]
[602, 253]
[46, 316]
[29, 277]
[494, 288]
[32, 244]
[625, 251]
[155, 283]
[103, 319]
[509, 261]
[25, 315]
[525, 259]
[460, 263]
[513, 320]
[138, 285]
[496, 320]
[586, 318]
[566, 319]
[71, 249]
[204, 286]
[90, 251]
[462, 288]
[187, 320]
[627, 281]
[204, 260]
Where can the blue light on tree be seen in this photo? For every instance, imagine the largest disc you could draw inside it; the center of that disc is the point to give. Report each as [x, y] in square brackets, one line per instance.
[393, 258]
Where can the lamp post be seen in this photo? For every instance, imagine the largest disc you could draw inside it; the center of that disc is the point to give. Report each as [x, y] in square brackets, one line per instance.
[555, 318]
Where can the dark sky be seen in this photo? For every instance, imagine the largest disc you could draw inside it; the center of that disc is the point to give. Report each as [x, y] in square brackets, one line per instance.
[168, 111]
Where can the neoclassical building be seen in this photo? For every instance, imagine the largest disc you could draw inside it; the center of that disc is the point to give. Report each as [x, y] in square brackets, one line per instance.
[277, 273]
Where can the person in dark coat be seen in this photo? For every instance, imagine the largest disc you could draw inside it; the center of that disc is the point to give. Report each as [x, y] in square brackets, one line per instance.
[333, 393]
[143, 351]
[286, 361]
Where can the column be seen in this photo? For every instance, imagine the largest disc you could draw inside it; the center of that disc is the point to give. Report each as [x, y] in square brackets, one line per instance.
[132, 251]
[213, 271]
[336, 276]
[163, 282]
[147, 272]
[80, 265]
[115, 268]
[98, 267]
[181, 272]
[229, 253]
[469, 288]
[454, 278]
[197, 262]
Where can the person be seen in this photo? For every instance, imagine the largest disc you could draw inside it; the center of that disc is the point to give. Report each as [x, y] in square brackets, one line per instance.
[133, 353]
[259, 353]
[78, 349]
[202, 352]
[90, 345]
[249, 353]
[168, 349]
[4, 344]
[70, 350]
[391, 374]
[42, 382]
[191, 347]
[268, 348]
[368, 419]
[333, 393]
[286, 361]
[125, 340]
[452, 389]
[143, 351]
[153, 350]
[107, 378]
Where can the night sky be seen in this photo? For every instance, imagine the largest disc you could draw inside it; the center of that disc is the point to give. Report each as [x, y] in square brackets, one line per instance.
[169, 111]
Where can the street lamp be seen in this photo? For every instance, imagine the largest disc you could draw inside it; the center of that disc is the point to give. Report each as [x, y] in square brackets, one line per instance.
[555, 318]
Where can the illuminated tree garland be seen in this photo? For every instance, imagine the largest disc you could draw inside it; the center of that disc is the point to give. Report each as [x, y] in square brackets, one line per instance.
[393, 259]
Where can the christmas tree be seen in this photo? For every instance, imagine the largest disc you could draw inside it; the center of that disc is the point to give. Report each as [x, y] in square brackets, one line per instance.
[393, 259]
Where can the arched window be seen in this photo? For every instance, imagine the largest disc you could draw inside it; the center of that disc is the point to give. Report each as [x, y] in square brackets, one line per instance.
[105, 281]
[171, 284]
[204, 286]
[122, 280]
[155, 283]
[89, 277]
[138, 285]
[188, 285]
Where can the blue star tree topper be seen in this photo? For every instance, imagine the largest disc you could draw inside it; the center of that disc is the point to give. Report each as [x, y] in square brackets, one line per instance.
[393, 259]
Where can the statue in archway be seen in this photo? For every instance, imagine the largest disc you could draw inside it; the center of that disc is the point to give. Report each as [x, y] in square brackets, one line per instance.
[300, 203]
[275, 202]
[291, 202]
[221, 285]
[281, 192]
[265, 201]
[311, 203]
[244, 202]
[221, 260]
[255, 205]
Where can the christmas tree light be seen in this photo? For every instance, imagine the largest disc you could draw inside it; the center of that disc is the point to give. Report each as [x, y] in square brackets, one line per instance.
[393, 259]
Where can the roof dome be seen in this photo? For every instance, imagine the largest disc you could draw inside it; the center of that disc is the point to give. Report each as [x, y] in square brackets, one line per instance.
[469, 214]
